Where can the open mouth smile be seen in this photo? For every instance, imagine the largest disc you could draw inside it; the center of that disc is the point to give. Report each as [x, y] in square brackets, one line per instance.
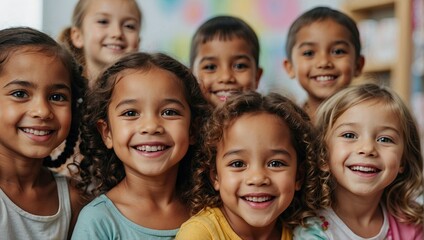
[36, 132]
[151, 148]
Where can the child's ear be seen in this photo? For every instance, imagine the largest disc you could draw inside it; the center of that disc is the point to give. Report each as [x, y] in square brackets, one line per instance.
[104, 131]
[258, 76]
[76, 37]
[359, 65]
[288, 66]
[213, 175]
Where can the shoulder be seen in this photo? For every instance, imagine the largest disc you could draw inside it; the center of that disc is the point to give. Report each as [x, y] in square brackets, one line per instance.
[315, 229]
[77, 201]
[400, 230]
[196, 226]
[207, 224]
[94, 219]
[77, 198]
[100, 210]
[101, 205]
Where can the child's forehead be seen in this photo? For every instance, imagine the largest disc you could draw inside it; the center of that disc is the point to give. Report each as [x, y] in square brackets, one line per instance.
[326, 24]
[31, 51]
[224, 37]
[148, 73]
[361, 110]
[266, 117]
[226, 45]
[34, 67]
[114, 7]
[325, 31]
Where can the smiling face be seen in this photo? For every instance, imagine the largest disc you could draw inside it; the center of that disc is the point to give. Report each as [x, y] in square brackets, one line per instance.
[256, 171]
[109, 30]
[323, 59]
[148, 122]
[35, 109]
[224, 68]
[365, 148]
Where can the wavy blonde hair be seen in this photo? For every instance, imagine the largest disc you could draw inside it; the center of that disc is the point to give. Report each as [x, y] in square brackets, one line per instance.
[400, 197]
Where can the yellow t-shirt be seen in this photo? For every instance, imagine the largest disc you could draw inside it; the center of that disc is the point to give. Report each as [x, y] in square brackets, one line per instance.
[210, 223]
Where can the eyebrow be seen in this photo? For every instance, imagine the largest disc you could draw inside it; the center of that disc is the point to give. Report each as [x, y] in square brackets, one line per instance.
[27, 84]
[210, 58]
[384, 127]
[107, 14]
[333, 43]
[133, 101]
[237, 151]
[21, 83]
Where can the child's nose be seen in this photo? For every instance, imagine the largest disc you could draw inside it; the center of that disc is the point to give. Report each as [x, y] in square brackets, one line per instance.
[226, 75]
[324, 61]
[150, 125]
[40, 108]
[116, 30]
[367, 147]
[257, 177]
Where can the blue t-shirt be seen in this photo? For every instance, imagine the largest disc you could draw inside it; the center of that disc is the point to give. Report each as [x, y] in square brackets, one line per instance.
[100, 219]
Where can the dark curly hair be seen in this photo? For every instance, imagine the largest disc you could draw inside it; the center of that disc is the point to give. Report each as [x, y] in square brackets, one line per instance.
[100, 166]
[306, 201]
[17, 39]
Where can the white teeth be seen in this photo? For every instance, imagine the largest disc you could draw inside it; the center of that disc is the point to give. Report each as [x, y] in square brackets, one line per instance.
[36, 132]
[363, 169]
[324, 78]
[225, 93]
[257, 199]
[148, 148]
[114, 47]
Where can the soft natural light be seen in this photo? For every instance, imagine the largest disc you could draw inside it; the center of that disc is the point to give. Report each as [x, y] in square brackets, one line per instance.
[21, 13]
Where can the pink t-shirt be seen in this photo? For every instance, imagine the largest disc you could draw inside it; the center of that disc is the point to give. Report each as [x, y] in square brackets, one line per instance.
[403, 231]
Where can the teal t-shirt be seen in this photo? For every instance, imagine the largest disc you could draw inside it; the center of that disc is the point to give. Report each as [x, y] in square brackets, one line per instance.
[100, 219]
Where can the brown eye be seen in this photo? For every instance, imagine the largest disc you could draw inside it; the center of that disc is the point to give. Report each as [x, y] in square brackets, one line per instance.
[237, 164]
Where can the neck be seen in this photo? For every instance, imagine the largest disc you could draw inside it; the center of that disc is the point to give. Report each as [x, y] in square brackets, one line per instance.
[248, 232]
[22, 172]
[157, 188]
[361, 214]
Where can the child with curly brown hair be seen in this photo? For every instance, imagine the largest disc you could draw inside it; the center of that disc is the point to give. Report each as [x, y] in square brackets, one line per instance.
[258, 176]
[138, 140]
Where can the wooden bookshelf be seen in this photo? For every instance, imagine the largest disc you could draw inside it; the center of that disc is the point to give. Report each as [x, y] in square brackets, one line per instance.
[398, 69]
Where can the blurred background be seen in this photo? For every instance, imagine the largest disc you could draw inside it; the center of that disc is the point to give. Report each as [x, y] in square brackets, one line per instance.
[392, 32]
